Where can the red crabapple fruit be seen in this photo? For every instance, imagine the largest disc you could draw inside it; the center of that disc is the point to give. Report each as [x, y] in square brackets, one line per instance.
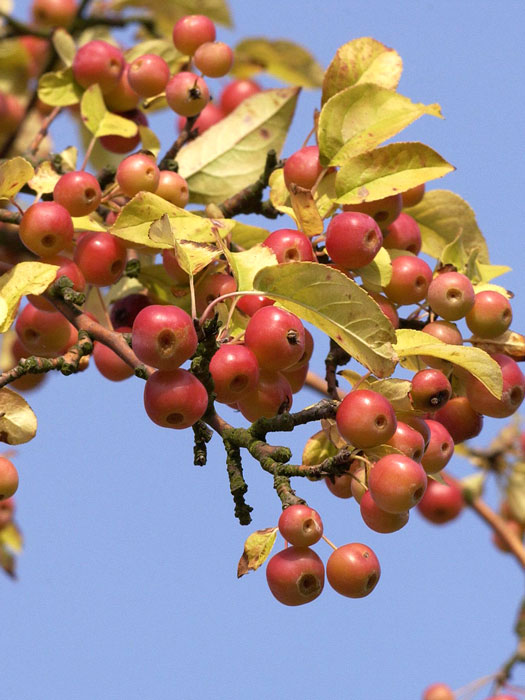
[174, 399]
[303, 167]
[353, 570]
[365, 418]
[295, 575]
[397, 483]
[187, 94]
[441, 502]
[98, 62]
[46, 228]
[300, 525]
[8, 478]
[163, 336]
[235, 372]
[214, 59]
[191, 31]
[78, 192]
[353, 239]
[276, 337]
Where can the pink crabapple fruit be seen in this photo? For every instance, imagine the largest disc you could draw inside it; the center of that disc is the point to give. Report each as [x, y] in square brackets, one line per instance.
[295, 575]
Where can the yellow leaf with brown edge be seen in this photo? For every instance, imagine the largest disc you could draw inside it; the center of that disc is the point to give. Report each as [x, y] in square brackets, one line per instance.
[256, 550]
[17, 421]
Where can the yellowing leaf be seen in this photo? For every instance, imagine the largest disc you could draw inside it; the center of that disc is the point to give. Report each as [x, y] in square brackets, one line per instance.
[99, 120]
[167, 12]
[441, 216]
[477, 362]
[323, 196]
[489, 272]
[515, 494]
[64, 46]
[378, 273]
[11, 537]
[160, 47]
[149, 140]
[14, 174]
[363, 60]
[161, 288]
[246, 264]
[318, 448]
[23, 278]
[256, 550]
[283, 59]
[279, 194]
[247, 236]
[336, 305]
[361, 117]
[88, 223]
[136, 217]
[308, 218]
[231, 154]
[69, 158]
[509, 343]
[395, 390]
[44, 179]
[388, 170]
[59, 89]
[17, 420]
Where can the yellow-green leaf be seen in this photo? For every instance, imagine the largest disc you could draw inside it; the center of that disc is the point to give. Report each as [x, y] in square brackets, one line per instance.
[509, 343]
[279, 194]
[99, 120]
[167, 12]
[160, 47]
[283, 59]
[306, 214]
[246, 264]
[323, 195]
[17, 420]
[88, 223]
[395, 390]
[387, 171]
[149, 140]
[69, 158]
[336, 305]
[59, 88]
[23, 278]
[363, 60]
[441, 216]
[247, 236]
[44, 179]
[256, 550]
[11, 537]
[361, 117]
[415, 343]
[231, 154]
[473, 484]
[162, 289]
[318, 448]
[486, 272]
[136, 217]
[14, 174]
[64, 46]
[378, 273]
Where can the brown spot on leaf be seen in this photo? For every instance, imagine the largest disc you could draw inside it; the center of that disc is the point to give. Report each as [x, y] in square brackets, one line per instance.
[264, 133]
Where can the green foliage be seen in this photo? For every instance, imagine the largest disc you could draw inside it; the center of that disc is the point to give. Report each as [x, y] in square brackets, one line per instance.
[24, 278]
[99, 120]
[14, 174]
[285, 60]
[64, 46]
[59, 88]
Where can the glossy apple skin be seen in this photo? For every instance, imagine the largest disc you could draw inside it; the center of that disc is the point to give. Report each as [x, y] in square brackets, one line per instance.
[191, 31]
[276, 337]
[430, 390]
[187, 94]
[236, 92]
[214, 59]
[98, 62]
[212, 287]
[300, 525]
[163, 336]
[438, 691]
[174, 399]
[78, 192]
[303, 167]
[441, 502]
[273, 393]
[235, 372]
[365, 418]
[122, 97]
[408, 440]
[353, 570]
[379, 520]
[109, 364]
[440, 448]
[8, 478]
[383, 211]
[413, 196]
[46, 228]
[397, 483]
[138, 173]
[460, 419]
[42, 333]
[403, 234]
[411, 278]
[290, 245]
[451, 295]
[251, 303]
[490, 316]
[353, 239]
[101, 258]
[173, 188]
[484, 402]
[148, 75]
[295, 575]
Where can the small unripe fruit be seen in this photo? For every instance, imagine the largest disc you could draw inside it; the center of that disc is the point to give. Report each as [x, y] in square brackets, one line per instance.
[301, 525]
[430, 390]
[451, 295]
[191, 31]
[379, 520]
[295, 575]
[353, 570]
[187, 94]
[46, 228]
[173, 188]
[303, 167]
[403, 234]
[148, 75]
[353, 239]
[441, 502]
[411, 277]
[397, 483]
[174, 399]
[214, 59]
[78, 192]
[383, 211]
[439, 449]
[98, 62]
[236, 92]
[484, 402]
[8, 478]
[365, 418]
[235, 373]
[163, 336]
[138, 173]
[490, 316]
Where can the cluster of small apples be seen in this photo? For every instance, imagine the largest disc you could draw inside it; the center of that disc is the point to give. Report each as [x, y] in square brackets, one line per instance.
[296, 574]
[442, 691]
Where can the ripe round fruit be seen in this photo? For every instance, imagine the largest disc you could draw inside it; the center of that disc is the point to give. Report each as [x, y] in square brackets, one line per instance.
[438, 691]
[54, 13]
[122, 97]
[365, 418]
[109, 364]
[214, 59]
[460, 419]
[353, 239]
[98, 62]
[276, 337]
[173, 188]
[430, 390]
[451, 295]
[101, 258]
[353, 570]
[78, 192]
[403, 234]
[163, 336]
[187, 94]
[490, 316]
[411, 277]
[300, 525]
[191, 31]
[295, 575]
[251, 303]
[290, 245]
[441, 502]
[124, 311]
[125, 144]
[440, 448]
[408, 441]
[386, 306]
[383, 211]
[379, 520]
[484, 402]
[235, 372]
[138, 173]
[174, 399]
[8, 478]
[148, 75]
[413, 196]
[212, 287]
[303, 167]
[272, 394]
[397, 483]
[236, 92]
[66, 268]
[210, 115]
[46, 228]
[42, 333]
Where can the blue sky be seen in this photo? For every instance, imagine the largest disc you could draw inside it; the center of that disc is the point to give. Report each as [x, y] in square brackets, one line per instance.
[128, 583]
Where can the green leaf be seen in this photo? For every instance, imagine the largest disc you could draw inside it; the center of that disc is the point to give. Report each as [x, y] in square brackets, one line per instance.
[247, 236]
[336, 305]
[17, 420]
[363, 60]
[415, 343]
[149, 140]
[162, 289]
[473, 484]
[136, 217]
[318, 448]
[99, 120]
[88, 223]
[44, 179]
[232, 154]
[167, 12]
[59, 89]
[395, 390]
[246, 264]
[256, 550]
[441, 216]
[283, 59]
[361, 117]
[388, 170]
[14, 174]
[64, 46]
[378, 273]
[23, 278]
[160, 47]
[11, 537]
[487, 272]
[69, 158]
